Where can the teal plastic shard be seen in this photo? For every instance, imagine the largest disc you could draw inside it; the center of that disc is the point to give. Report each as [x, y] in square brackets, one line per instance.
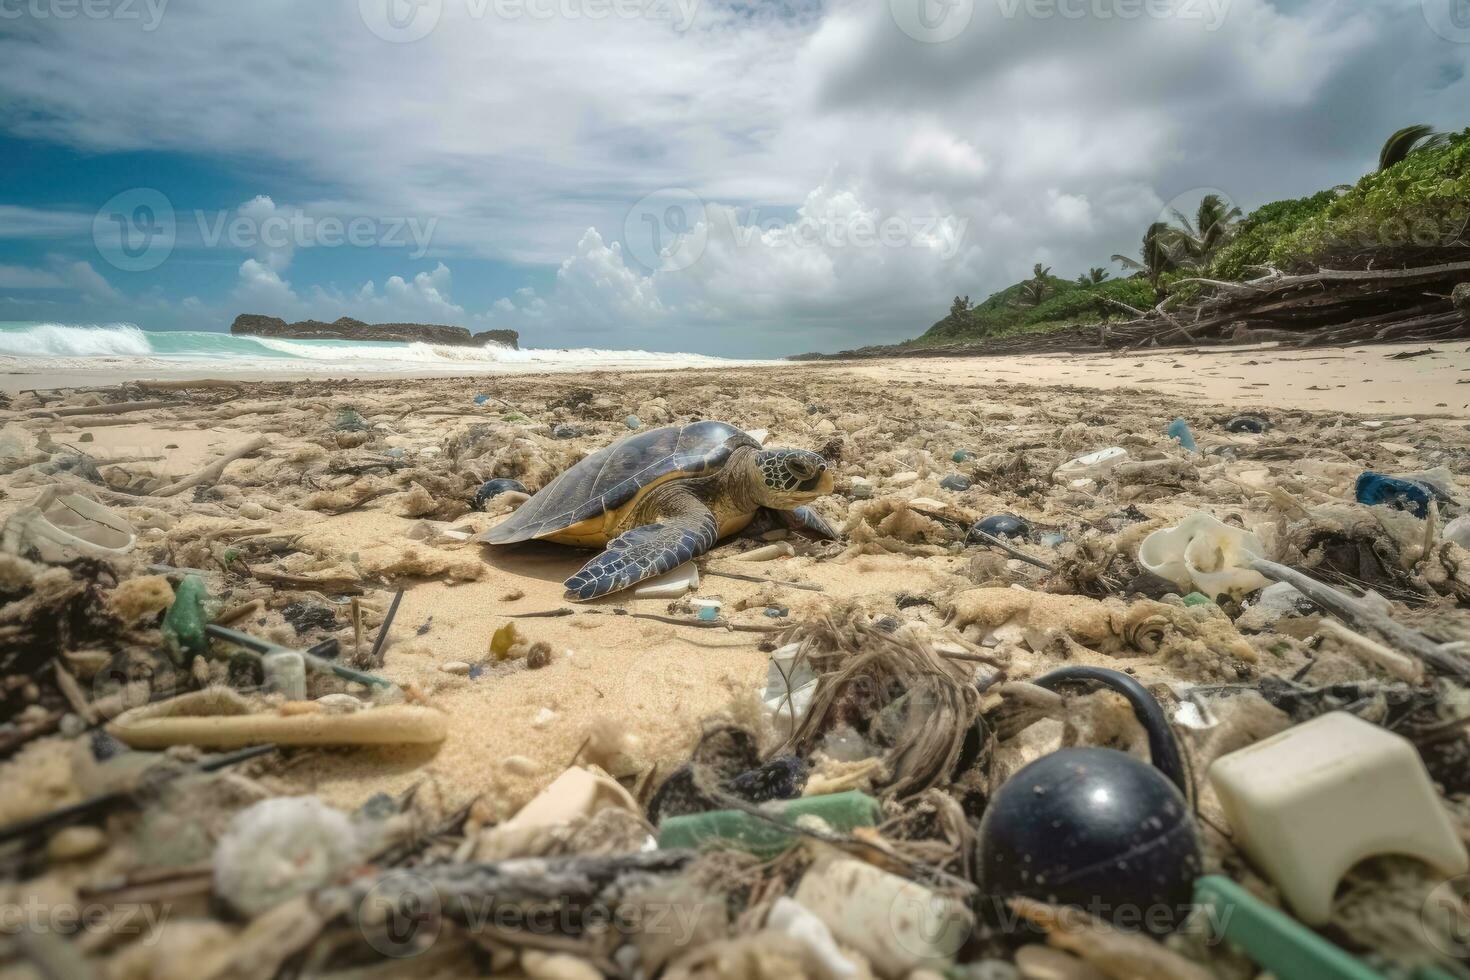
[183, 624]
[1270, 937]
[843, 812]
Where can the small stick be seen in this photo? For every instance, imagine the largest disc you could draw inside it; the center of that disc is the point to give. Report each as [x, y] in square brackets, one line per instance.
[1009, 549]
[1400, 666]
[234, 614]
[213, 471]
[316, 663]
[757, 578]
[377, 654]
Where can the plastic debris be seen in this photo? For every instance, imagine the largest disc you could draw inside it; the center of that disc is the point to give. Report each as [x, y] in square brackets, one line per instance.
[1093, 466]
[281, 848]
[861, 905]
[955, 482]
[633, 422]
[1247, 423]
[767, 837]
[669, 585]
[63, 527]
[1178, 430]
[1378, 490]
[1204, 553]
[1316, 799]
[183, 625]
[1003, 526]
[491, 489]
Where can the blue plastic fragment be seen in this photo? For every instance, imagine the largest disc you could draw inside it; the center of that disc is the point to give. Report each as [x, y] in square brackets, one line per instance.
[776, 612]
[709, 614]
[955, 482]
[481, 399]
[1378, 489]
[1178, 430]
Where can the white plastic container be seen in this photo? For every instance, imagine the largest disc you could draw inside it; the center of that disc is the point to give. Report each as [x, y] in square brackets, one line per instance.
[1093, 466]
[1313, 801]
[66, 527]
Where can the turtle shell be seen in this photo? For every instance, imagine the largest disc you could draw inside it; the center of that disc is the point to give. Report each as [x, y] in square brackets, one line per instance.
[614, 475]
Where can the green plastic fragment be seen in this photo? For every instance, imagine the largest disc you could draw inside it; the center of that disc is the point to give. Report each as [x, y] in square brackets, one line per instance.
[960, 455]
[1271, 938]
[736, 829]
[1197, 599]
[183, 624]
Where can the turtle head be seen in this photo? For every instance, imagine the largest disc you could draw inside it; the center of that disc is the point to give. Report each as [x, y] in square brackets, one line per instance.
[791, 477]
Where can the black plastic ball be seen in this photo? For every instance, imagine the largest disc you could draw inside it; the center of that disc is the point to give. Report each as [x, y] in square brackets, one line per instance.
[1003, 526]
[1095, 828]
[493, 489]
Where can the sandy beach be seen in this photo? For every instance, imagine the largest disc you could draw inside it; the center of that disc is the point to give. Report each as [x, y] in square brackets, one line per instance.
[361, 488]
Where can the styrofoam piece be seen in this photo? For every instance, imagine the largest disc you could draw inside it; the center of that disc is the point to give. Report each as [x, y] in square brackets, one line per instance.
[62, 527]
[900, 926]
[669, 585]
[1204, 554]
[759, 435]
[1313, 801]
[1091, 466]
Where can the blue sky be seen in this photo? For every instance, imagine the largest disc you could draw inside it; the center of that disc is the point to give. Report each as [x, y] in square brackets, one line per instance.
[679, 174]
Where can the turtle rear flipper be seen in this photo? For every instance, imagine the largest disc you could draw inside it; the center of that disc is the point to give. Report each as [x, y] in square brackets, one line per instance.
[686, 530]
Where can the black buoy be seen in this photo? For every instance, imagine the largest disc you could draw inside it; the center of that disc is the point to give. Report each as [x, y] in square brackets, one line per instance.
[1097, 828]
[494, 488]
[1003, 526]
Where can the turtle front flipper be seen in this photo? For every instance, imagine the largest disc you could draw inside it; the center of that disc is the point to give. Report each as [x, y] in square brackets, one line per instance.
[685, 530]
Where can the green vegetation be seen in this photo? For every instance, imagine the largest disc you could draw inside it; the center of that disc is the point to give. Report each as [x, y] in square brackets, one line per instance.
[1413, 210]
[1065, 303]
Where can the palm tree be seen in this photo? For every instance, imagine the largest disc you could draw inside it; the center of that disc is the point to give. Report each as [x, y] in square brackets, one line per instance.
[1034, 290]
[1410, 139]
[1160, 253]
[1214, 224]
[1092, 276]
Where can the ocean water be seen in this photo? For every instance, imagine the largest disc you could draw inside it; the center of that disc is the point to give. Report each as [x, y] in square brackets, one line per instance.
[52, 348]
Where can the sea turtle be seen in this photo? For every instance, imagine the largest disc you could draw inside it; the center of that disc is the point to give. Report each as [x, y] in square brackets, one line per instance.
[659, 497]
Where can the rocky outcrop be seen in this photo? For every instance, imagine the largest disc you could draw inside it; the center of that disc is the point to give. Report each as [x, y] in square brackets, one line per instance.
[346, 328]
[506, 338]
